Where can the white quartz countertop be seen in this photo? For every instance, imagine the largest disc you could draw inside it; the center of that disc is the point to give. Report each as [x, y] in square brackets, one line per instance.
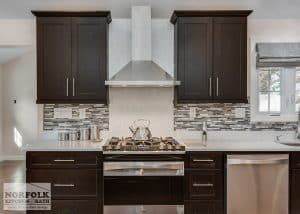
[237, 141]
[236, 145]
[64, 146]
[217, 141]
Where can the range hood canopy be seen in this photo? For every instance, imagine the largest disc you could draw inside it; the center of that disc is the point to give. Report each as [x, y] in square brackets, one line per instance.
[141, 71]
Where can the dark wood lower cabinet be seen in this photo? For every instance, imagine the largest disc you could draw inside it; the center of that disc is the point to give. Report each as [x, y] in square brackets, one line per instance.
[295, 192]
[75, 177]
[204, 183]
[204, 207]
[72, 207]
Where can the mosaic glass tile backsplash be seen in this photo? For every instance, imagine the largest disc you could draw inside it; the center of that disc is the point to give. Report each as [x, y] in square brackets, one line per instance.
[94, 114]
[221, 117]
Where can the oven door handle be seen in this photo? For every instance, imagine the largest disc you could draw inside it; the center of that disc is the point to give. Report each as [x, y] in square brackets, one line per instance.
[143, 169]
[144, 172]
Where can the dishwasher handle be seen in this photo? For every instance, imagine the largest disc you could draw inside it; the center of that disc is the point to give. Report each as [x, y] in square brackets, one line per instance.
[258, 161]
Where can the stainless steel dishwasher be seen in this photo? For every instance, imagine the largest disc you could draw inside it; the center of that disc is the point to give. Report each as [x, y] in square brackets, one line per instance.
[258, 184]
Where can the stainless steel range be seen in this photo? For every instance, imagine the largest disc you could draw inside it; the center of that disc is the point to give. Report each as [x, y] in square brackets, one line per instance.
[155, 144]
[143, 176]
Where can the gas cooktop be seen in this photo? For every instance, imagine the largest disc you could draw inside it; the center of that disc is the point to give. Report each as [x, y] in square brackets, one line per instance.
[156, 144]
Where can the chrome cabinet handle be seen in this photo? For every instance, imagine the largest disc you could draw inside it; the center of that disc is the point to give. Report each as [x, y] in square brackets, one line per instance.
[202, 185]
[203, 160]
[64, 185]
[217, 86]
[73, 87]
[67, 87]
[210, 88]
[58, 160]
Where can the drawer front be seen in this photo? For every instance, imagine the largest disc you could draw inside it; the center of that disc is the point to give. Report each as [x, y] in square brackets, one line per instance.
[71, 183]
[71, 207]
[295, 162]
[63, 159]
[204, 207]
[205, 160]
[204, 185]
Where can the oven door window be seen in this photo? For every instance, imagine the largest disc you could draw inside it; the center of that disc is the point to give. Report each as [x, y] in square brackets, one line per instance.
[143, 190]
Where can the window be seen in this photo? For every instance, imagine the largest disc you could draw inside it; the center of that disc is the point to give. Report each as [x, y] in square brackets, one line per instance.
[297, 88]
[275, 81]
[269, 89]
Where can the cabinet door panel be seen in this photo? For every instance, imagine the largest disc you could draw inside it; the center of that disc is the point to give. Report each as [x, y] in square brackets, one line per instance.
[67, 184]
[230, 58]
[89, 58]
[204, 160]
[203, 185]
[194, 59]
[204, 207]
[295, 192]
[53, 58]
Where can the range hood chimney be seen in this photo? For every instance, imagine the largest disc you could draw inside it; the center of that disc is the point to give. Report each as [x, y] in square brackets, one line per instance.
[141, 71]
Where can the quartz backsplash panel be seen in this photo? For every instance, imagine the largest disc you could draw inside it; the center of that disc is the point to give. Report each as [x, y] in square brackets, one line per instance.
[221, 117]
[93, 114]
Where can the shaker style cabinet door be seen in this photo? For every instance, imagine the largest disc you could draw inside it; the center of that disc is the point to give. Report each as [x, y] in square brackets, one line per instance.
[89, 58]
[53, 58]
[211, 56]
[230, 59]
[194, 58]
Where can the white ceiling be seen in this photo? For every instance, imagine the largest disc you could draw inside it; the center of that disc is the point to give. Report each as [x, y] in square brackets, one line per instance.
[160, 8]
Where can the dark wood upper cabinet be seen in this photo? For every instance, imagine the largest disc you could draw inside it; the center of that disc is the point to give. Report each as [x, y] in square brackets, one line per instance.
[211, 56]
[72, 56]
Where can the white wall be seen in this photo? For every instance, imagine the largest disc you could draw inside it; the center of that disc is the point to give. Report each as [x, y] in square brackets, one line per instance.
[19, 84]
[16, 32]
[129, 104]
[1, 113]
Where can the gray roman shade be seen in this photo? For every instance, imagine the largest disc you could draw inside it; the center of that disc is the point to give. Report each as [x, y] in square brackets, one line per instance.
[278, 54]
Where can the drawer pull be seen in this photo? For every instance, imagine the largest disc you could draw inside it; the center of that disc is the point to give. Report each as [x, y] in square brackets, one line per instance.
[204, 160]
[64, 160]
[64, 185]
[202, 185]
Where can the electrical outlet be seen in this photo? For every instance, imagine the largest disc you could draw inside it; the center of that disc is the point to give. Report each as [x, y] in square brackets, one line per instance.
[63, 113]
[240, 113]
[193, 112]
[82, 113]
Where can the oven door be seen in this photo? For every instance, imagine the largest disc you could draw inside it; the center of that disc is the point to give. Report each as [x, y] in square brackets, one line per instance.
[143, 187]
[141, 209]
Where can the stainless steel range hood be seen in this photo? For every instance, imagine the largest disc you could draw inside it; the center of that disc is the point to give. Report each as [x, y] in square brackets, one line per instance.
[141, 71]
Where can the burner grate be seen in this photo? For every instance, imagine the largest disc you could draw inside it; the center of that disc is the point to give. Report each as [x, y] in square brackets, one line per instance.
[155, 144]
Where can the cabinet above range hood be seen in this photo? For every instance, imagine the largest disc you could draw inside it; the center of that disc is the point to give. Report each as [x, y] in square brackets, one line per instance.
[141, 71]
